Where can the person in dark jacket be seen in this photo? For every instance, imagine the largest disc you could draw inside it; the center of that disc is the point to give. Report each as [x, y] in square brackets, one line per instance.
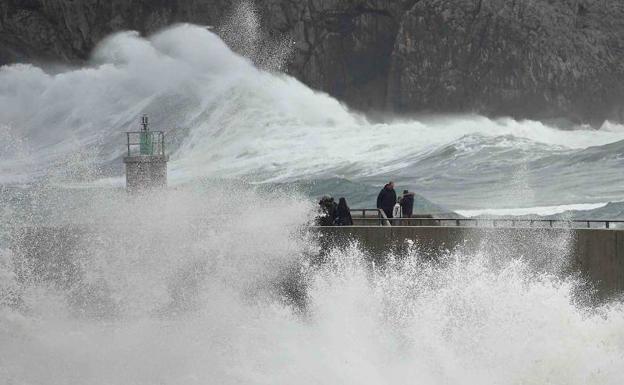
[328, 209]
[387, 199]
[407, 204]
[343, 213]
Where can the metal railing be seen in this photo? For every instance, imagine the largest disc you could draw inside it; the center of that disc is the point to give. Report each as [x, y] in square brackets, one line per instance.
[488, 222]
[376, 215]
[150, 143]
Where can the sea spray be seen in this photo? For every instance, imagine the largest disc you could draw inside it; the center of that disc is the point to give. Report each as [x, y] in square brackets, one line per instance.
[184, 286]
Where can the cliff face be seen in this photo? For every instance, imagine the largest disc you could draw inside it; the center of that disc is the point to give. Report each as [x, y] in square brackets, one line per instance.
[66, 30]
[531, 59]
[538, 59]
[343, 47]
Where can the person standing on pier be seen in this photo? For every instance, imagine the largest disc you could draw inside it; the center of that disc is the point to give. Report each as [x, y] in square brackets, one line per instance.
[407, 204]
[387, 199]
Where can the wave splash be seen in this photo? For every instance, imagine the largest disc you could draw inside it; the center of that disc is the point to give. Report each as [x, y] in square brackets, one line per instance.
[224, 117]
[189, 294]
[191, 286]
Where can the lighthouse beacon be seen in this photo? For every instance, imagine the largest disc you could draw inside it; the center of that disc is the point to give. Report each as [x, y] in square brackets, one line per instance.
[146, 160]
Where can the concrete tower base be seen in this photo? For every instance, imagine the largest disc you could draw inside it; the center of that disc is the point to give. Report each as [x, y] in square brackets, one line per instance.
[145, 172]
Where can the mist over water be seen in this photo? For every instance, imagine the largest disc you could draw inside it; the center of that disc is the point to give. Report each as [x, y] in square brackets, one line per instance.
[222, 283]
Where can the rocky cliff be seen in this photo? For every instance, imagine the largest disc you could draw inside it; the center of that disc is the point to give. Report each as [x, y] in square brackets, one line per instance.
[67, 30]
[538, 59]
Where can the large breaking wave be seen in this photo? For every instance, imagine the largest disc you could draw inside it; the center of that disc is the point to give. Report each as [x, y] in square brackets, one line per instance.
[226, 118]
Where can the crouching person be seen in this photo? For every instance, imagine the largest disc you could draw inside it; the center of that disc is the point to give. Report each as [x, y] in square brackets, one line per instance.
[327, 212]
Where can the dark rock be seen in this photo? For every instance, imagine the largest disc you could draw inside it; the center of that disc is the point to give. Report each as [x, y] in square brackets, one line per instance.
[529, 59]
[67, 31]
[342, 47]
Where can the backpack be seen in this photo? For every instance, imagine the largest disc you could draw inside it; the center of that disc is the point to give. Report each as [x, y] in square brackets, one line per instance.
[397, 212]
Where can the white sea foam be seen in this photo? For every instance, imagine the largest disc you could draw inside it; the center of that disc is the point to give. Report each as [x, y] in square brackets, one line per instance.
[188, 287]
[543, 210]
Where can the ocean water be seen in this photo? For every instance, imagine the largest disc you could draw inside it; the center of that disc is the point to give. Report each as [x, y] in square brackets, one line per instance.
[226, 118]
[218, 280]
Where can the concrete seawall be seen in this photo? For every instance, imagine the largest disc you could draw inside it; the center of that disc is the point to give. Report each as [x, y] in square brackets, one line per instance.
[597, 254]
[54, 252]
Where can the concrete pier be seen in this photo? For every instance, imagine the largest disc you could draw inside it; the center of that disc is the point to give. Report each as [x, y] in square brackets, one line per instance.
[144, 172]
[597, 254]
[52, 252]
